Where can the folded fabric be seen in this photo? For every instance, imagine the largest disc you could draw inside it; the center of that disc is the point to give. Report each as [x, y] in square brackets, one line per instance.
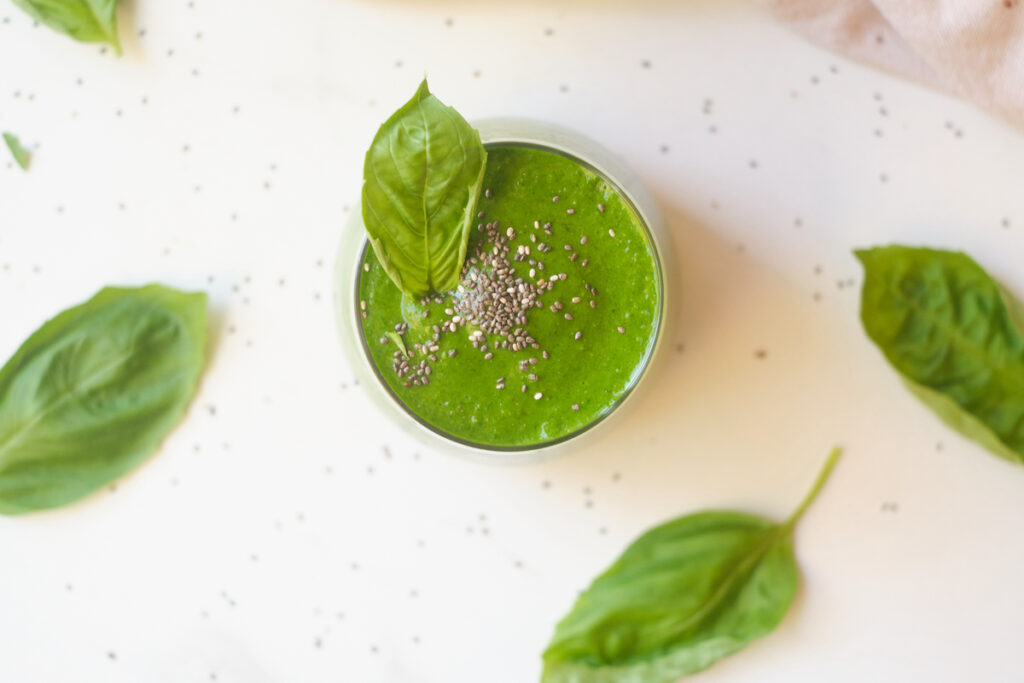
[972, 48]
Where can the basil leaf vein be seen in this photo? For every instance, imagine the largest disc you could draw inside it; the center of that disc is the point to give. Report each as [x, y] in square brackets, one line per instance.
[421, 180]
[94, 391]
[682, 596]
[953, 335]
[88, 21]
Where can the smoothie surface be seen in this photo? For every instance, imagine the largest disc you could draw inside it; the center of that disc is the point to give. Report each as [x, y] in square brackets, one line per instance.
[594, 328]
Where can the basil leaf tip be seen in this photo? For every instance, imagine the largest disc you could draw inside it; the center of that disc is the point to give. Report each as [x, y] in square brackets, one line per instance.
[94, 391]
[87, 21]
[681, 597]
[20, 154]
[955, 337]
[421, 180]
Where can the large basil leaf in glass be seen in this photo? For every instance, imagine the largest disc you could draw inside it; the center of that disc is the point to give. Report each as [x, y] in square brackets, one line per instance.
[421, 180]
[88, 21]
[954, 336]
[94, 391]
[681, 597]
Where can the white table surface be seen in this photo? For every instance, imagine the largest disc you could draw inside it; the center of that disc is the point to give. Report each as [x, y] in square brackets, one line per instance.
[286, 532]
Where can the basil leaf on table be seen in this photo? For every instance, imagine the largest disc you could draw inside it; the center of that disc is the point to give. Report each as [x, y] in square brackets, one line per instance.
[421, 180]
[950, 331]
[88, 21]
[681, 597]
[20, 154]
[94, 391]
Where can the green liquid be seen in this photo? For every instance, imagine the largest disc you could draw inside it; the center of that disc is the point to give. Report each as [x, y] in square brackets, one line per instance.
[593, 372]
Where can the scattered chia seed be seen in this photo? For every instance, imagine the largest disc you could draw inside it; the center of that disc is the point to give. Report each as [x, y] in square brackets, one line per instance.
[523, 388]
[621, 329]
[583, 240]
[362, 305]
[577, 335]
[555, 199]
[366, 267]
[568, 316]
[576, 407]
[593, 304]
[488, 193]
[537, 396]
[570, 211]
[585, 262]
[488, 355]
[600, 207]
[611, 232]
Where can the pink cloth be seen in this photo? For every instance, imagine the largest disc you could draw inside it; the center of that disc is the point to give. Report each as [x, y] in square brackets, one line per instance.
[973, 48]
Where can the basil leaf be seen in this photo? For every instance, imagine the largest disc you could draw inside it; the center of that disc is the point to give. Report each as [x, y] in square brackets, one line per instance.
[421, 180]
[681, 597]
[88, 21]
[93, 392]
[20, 154]
[399, 342]
[945, 326]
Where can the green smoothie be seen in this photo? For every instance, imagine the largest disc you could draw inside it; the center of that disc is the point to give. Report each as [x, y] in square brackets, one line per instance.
[552, 324]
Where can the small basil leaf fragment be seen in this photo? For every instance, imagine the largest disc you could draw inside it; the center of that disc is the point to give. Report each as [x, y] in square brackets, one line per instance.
[94, 391]
[681, 597]
[399, 342]
[953, 335]
[87, 21]
[421, 181]
[20, 154]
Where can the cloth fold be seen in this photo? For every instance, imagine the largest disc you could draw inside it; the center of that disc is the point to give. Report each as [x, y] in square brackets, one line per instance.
[971, 48]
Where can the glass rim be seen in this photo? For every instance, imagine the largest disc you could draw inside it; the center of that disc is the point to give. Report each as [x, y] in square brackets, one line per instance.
[534, 142]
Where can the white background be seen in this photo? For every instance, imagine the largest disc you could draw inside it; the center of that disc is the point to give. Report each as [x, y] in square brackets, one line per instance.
[286, 532]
